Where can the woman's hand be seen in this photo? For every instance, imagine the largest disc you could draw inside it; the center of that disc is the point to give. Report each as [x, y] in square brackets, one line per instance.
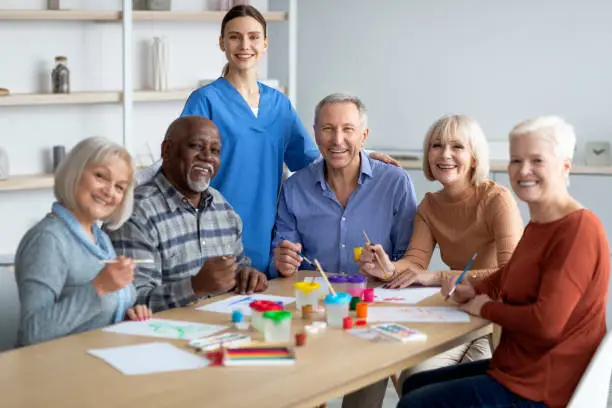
[462, 294]
[414, 277]
[369, 266]
[114, 276]
[138, 313]
[474, 306]
[385, 158]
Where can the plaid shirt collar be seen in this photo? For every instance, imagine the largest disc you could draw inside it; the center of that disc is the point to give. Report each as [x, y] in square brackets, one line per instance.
[175, 199]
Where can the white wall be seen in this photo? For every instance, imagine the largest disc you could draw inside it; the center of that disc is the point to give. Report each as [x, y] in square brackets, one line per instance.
[501, 61]
[94, 51]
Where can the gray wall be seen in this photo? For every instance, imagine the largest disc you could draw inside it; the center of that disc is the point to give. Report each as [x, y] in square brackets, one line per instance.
[414, 60]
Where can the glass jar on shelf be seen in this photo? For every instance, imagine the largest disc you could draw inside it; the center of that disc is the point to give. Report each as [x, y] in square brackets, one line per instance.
[60, 76]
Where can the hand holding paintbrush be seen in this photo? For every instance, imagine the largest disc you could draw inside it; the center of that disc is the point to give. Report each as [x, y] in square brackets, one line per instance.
[384, 270]
[288, 257]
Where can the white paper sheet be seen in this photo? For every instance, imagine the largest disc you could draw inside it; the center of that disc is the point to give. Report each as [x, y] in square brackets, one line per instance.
[149, 358]
[168, 329]
[431, 314]
[241, 302]
[367, 334]
[410, 296]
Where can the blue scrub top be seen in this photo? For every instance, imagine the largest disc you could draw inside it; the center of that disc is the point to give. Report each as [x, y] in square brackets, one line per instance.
[252, 155]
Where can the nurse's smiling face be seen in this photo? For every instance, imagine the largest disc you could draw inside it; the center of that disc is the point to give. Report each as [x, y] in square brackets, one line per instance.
[244, 43]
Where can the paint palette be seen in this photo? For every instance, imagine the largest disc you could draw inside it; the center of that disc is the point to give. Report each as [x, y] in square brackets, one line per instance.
[399, 332]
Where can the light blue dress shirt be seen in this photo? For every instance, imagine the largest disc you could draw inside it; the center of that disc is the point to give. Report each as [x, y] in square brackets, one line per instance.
[383, 204]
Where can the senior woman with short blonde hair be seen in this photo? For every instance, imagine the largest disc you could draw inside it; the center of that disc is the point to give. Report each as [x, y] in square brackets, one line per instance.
[470, 214]
[67, 273]
[549, 299]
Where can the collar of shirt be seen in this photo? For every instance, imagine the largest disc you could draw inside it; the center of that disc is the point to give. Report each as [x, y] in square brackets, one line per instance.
[175, 199]
[365, 171]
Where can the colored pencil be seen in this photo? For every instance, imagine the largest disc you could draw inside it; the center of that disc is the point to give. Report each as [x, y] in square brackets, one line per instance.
[460, 278]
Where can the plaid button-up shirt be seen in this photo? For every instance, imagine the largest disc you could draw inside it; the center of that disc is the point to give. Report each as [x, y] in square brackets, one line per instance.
[166, 228]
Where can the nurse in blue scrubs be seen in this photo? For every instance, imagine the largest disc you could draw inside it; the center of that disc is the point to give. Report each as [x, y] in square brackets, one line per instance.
[259, 131]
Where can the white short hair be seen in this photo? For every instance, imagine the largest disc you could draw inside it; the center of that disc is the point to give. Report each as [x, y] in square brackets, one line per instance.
[343, 98]
[460, 126]
[552, 128]
[93, 151]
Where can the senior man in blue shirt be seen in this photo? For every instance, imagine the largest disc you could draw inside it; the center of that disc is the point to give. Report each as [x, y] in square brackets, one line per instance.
[325, 207]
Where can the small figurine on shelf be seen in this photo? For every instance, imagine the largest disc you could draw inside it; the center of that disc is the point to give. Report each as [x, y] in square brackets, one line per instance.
[60, 76]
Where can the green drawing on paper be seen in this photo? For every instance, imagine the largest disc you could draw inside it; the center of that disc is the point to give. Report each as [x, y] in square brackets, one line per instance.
[179, 331]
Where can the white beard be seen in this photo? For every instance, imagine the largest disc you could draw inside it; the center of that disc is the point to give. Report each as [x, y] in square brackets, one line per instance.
[198, 186]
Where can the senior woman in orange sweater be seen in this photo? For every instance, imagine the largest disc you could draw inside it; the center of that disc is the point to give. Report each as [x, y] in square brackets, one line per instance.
[470, 214]
[549, 299]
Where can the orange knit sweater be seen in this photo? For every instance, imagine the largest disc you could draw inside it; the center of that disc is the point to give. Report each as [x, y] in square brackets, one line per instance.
[485, 219]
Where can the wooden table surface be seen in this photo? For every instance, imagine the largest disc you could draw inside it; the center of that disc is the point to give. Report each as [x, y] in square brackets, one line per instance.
[59, 373]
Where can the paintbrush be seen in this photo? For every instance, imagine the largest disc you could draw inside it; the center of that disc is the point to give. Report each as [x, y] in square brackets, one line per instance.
[376, 256]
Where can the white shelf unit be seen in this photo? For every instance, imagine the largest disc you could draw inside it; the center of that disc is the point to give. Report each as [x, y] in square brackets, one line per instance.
[126, 96]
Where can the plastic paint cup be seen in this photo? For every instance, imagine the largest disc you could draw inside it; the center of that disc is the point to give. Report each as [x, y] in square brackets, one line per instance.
[338, 282]
[337, 307]
[306, 293]
[258, 308]
[277, 326]
[355, 285]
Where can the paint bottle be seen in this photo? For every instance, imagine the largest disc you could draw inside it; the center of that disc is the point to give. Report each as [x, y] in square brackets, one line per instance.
[368, 295]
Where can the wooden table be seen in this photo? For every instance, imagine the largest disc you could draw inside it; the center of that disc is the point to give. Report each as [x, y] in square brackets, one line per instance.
[60, 374]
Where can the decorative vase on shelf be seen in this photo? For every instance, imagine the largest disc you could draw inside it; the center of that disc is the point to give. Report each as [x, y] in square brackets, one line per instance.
[159, 5]
[160, 64]
[4, 164]
[60, 76]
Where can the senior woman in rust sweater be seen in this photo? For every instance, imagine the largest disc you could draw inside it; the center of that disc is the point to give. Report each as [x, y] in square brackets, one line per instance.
[549, 299]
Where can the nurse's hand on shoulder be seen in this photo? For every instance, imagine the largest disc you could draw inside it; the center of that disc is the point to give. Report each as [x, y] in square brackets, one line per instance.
[217, 275]
[286, 258]
[464, 292]
[114, 276]
[369, 266]
[385, 158]
[250, 280]
[138, 312]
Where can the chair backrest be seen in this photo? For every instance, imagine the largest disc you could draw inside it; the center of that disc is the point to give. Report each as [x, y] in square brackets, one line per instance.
[9, 309]
[593, 388]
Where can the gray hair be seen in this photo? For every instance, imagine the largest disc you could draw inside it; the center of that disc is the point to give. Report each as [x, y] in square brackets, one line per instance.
[459, 125]
[552, 128]
[342, 98]
[93, 151]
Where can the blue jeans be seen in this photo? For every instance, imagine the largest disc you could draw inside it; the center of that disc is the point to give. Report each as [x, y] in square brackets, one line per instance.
[460, 386]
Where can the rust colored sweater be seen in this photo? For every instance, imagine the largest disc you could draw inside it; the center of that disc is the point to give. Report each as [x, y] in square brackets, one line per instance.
[551, 304]
[485, 219]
